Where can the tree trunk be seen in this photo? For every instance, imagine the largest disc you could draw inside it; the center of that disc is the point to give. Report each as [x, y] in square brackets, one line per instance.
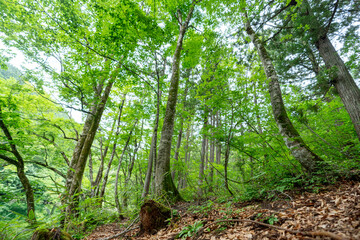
[344, 83]
[226, 162]
[164, 185]
[130, 169]
[103, 187]
[212, 153]
[81, 152]
[203, 154]
[20, 170]
[218, 143]
[101, 168]
[183, 175]
[301, 152]
[177, 148]
[117, 202]
[340, 76]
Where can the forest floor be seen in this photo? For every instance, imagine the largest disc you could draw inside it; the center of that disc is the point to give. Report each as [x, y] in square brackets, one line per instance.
[332, 213]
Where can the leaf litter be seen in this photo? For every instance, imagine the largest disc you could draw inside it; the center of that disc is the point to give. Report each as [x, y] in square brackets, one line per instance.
[333, 213]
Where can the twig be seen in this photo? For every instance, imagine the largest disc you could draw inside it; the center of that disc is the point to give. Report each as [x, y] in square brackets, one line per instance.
[128, 229]
[313, 234]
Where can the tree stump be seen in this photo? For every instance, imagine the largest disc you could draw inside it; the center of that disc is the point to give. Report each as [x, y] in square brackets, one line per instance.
[153, 216]
[51, 234]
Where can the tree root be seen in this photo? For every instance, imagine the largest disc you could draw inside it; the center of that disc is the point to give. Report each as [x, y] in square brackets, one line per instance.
[128, 229]
[312, 234]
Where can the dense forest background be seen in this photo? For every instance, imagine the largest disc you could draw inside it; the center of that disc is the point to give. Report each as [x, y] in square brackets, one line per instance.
[178, 100]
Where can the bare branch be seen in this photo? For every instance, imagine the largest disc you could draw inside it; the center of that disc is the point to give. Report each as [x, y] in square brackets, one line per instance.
[331, 18]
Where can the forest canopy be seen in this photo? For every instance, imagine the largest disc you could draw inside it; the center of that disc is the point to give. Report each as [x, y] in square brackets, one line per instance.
[175, 100]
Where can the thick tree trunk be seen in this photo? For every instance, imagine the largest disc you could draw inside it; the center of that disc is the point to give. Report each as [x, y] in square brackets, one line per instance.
[344, 83]
[180, 135]
[30, 202]
[301, 152]
[81, 152]
[164, 185]
[340, 76]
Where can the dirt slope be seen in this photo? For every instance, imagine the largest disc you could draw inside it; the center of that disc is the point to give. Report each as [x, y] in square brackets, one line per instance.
[334, 213]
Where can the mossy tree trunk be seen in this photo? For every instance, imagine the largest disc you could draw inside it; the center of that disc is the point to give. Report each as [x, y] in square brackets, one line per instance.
[301, 152]
[82, 149]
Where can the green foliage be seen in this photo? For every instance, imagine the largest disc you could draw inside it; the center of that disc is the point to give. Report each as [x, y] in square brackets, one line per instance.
[190, 230]
[202, 209]
[221, 80]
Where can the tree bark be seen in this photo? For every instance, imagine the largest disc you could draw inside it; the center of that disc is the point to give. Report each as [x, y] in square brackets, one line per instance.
[340, 76]
[179, 138]
[20, 170]
[164, 185]
[81, 152]
[342, 80]
[301, 152]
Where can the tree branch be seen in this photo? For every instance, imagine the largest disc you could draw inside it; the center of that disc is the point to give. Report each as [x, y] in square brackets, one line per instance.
[49, 167]
[9, 160]
[331, 18]
[20, 161]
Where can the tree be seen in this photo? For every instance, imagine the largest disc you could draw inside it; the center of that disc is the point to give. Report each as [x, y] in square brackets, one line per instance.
[301, 152]
[163, 181]
[340, 76]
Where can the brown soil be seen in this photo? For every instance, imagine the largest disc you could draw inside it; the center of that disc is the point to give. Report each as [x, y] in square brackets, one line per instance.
[334, 211]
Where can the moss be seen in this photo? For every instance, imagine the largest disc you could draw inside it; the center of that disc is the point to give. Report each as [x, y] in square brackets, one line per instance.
[153, 216]
[51, 234]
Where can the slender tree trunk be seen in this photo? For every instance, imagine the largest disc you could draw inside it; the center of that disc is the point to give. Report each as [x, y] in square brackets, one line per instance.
[153, 147]
[164, 185]
[20, 170]
[101, 168]
[301, 152]
[212, 153]
[103, 187]
[218, 143]
[177, 148]
[226, 162]
[116, 193]
[182, 176]
[91, 175]
[128, 177]
[203, 154]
